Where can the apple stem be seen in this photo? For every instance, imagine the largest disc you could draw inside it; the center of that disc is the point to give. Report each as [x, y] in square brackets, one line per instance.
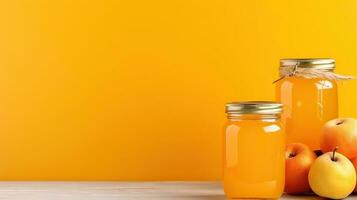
[291, 155]
[339, 123]
[333, 154]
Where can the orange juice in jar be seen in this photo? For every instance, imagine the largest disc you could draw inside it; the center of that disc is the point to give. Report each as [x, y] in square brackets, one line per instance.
[308, 91]
[254, 146]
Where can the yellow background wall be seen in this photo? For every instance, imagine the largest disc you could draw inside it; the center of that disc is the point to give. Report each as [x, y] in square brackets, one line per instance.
[135, 89]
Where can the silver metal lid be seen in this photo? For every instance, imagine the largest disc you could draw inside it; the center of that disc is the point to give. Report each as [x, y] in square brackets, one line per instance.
[254, 107]
[315, 63]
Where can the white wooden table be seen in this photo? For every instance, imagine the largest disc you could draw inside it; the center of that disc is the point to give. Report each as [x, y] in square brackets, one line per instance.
[117, 191]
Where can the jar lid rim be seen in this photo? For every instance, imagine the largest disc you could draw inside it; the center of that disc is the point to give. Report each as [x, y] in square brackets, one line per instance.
[315, 63]
[254, 107]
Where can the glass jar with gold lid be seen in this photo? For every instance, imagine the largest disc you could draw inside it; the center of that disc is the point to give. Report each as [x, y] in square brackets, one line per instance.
[308, 90]
[254, 146]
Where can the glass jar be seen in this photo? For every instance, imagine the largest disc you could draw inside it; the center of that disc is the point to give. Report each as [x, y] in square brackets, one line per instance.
[254, 146]
[309, 102]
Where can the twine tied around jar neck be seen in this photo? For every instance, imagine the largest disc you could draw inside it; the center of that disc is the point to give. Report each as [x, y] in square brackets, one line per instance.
[288, 71]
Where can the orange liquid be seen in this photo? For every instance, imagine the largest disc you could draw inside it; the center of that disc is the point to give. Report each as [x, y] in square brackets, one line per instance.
[308, 105]
[254, 159]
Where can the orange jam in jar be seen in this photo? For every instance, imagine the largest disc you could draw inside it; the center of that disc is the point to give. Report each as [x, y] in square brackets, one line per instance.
[254, 146]
[309, 99]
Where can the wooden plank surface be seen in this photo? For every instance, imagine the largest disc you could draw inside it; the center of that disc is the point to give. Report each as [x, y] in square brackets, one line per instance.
[118, 191]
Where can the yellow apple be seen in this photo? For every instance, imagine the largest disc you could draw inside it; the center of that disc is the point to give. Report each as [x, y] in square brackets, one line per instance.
[332, 175]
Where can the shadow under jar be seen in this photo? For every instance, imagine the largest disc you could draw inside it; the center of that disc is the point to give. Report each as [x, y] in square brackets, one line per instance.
[254, 146]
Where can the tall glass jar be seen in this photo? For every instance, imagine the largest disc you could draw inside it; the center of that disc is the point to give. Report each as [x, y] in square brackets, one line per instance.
[254, 146]
[309, 100]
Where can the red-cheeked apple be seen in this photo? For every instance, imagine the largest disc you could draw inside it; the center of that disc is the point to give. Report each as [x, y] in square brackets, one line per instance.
[341, 133]
[298, 160]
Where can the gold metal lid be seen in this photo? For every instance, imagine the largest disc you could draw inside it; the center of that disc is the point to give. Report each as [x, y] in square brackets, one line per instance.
[327, 64]
[254, 107]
